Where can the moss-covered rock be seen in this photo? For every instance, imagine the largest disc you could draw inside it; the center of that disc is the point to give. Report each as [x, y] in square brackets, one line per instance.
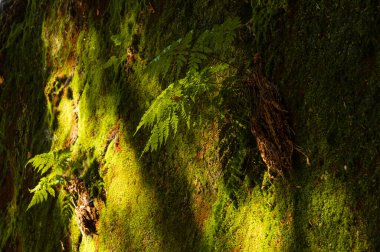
[74, 78]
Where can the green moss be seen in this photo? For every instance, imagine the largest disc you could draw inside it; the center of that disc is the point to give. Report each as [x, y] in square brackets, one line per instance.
[65, 119]
[196, 193]
[131, 206]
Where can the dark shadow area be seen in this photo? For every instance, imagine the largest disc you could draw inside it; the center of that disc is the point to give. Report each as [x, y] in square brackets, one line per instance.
[176, 221]
[165, 175]
[22, 120]
[331, 64]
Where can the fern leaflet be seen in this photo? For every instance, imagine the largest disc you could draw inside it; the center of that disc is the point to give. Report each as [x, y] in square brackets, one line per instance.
[54, 162]
[43, 162]
[66, 204]
[44, 188]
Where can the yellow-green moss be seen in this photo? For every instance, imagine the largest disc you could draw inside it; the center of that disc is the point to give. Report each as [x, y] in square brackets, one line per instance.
[184, 197]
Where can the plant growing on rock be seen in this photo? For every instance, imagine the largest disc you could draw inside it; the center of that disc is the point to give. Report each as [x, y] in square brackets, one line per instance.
[51, 166]
[55, 166]
[204, 74]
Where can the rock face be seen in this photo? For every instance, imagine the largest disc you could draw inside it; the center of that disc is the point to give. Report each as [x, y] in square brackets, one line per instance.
[85, 210]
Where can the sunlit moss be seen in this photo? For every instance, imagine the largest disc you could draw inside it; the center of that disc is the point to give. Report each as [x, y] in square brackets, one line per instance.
[65, 121]
[128, 218]
[87, 245]
[75, 234]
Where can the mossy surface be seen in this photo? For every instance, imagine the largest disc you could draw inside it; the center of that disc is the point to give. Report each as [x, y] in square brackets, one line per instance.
[71, 83]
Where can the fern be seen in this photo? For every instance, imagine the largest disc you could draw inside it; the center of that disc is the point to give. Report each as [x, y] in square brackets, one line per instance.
[43, 162]
[54, 162]
[66, 204]
[44, 188]
[174, 104]
[192, 53]
[162, 117]
[219, 39]
[172, 57]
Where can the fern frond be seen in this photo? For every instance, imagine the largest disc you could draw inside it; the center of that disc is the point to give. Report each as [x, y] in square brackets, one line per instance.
[174, 122]
[66, 204]
[43, 189]
[166, 129]
[54, 159]
[177, 99]
[153, 140]
[192, 53]
[196, 59]
[183, 111]
[219, 39]
[175, 102]
[56, 163]
[171, 57]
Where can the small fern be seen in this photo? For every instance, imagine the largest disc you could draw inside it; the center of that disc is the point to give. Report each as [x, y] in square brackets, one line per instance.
[192, 52]
[55, 162]
[175, 102]
[163, 116]
[44, 188]
[54, 159]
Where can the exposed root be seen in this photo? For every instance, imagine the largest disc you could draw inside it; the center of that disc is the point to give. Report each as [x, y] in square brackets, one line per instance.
[87, 214]
[270, 123]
